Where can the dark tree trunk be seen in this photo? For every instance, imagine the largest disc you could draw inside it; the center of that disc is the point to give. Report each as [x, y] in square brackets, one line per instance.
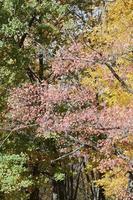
[41, 66]
[130, 182]
[58, 192]
[101, 194]
[34, 195]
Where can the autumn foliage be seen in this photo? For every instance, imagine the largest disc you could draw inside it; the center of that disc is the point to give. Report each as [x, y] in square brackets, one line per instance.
[81, 111]
[71, 108]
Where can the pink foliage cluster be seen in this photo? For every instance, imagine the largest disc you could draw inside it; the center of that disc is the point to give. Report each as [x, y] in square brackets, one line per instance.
[46, 103]
[73, 60]
[73, 110]
[108, 164]
[117, 116]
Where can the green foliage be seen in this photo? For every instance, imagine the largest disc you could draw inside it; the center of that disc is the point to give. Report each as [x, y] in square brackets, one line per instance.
[46, 26]
[59, 176]
[14, 24]
[14, 176]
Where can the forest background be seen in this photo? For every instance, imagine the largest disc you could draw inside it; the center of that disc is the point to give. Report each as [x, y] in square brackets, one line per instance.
[66, 100]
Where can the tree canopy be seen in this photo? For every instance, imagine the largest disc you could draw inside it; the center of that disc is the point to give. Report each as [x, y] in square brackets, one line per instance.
[66, 100]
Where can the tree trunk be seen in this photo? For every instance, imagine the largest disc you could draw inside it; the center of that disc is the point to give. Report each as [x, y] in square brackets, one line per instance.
[35, 191]
[35, 194]
[58, 192]
[130, 183]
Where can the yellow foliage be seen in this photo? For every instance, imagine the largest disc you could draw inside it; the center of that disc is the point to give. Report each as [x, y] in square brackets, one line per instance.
[114, 182]
[113, 37]
[109, 90]
[116, 28]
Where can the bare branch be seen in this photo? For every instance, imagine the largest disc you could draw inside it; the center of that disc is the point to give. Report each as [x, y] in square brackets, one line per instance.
[68, 154]
[6, 139]
[14, 130]
[86, 145]
[122, 82]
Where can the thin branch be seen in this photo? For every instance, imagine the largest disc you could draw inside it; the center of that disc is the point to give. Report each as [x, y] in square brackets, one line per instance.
[107, 128]
[18, 128]
[86, 145]
[68, 154]
[122, 82]
[6, 139]
[32, 75]
[14, 130]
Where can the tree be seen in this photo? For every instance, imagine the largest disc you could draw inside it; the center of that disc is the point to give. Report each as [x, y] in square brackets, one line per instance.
[75, 112]
[70, 120]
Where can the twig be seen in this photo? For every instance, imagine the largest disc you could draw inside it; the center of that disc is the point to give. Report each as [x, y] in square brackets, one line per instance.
[13, 130]
[68, 154]
[92, 145]
[6, 139]
[122, 82]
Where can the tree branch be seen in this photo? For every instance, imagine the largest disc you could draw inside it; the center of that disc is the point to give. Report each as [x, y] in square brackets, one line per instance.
[21, 42]
[33, 77]
[92, 145]
[13, 130]
[122, 82]
[68, 154]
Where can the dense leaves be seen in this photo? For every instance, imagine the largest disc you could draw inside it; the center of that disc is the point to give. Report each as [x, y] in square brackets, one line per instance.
[67, 103]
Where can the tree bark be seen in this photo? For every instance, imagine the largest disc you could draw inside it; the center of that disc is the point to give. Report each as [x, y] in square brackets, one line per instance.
[34, 195]
[130, 182]
[58, 192]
